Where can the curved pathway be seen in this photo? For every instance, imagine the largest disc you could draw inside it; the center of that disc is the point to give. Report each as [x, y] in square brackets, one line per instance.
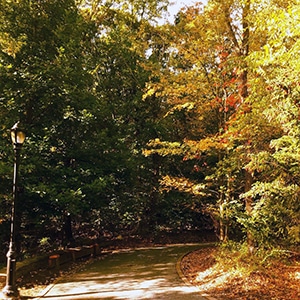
[136, 274]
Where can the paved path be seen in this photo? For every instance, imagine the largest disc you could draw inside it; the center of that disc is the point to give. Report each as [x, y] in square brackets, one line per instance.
[137, 274]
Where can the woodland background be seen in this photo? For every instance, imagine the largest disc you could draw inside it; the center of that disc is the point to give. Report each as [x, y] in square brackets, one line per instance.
[134, 127]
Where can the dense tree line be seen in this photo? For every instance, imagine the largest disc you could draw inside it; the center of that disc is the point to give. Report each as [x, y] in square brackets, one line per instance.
[133, 126]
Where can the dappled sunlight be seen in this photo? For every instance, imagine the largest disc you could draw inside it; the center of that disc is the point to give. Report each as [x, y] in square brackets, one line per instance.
[242, 281]
[119, 289]
[128, 271]
[142, 274]
[117, 285]
[214, 277]
[297, 275]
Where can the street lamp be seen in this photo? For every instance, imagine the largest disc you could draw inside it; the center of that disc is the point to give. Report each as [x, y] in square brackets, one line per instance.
[10, 289]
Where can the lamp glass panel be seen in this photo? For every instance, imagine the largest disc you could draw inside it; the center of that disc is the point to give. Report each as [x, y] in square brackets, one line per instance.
[20, 137]
[17, 136]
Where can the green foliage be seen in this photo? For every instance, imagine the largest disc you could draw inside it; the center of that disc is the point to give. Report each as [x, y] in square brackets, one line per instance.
[274, 219]
[74, 72]
[234, 255]
[134, 125]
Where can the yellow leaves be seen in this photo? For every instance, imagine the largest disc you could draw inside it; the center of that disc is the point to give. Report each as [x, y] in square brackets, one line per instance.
[53, 149]
[268, 51]
[294, 231]
[204, 145]
[280, 29]
[150, 92]
[186, 106]
[163, 148]
[10, 45]
[191, 25]
[189, 149]
[182, 184]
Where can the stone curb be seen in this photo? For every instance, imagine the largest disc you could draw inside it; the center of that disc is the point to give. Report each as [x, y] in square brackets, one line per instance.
[57, 279]
[185, 280]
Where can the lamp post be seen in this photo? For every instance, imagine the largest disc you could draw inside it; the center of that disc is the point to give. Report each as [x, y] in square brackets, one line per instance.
[10, 289]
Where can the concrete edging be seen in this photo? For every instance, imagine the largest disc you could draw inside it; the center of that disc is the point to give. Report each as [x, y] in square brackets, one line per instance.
[184, 279]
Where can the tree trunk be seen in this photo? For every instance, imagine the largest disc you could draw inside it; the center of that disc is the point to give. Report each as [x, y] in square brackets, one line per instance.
[223, 224]
[248, 207]
[68, 233]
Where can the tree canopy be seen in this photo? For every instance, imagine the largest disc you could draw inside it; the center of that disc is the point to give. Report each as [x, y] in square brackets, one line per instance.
[133, 126]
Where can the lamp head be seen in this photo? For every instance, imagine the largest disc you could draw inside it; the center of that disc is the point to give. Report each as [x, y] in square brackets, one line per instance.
[17, 135]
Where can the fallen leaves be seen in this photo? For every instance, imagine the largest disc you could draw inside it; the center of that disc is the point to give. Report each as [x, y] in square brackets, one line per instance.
[278, 281]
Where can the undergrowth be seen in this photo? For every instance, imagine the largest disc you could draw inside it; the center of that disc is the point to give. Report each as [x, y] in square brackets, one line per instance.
[234, 255]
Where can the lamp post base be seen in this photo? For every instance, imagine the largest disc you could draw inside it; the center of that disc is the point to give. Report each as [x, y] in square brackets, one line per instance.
[9, 292]
[10, 289]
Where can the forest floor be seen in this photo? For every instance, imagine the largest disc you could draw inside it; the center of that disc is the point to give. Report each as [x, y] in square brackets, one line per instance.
[229, 277]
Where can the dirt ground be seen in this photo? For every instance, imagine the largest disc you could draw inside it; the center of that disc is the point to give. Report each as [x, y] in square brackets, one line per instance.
[277, 281]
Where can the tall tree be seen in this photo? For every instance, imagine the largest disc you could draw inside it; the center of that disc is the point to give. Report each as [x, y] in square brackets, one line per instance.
[276, 212]
[45, 85]
[209, 72]
[120, 71]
